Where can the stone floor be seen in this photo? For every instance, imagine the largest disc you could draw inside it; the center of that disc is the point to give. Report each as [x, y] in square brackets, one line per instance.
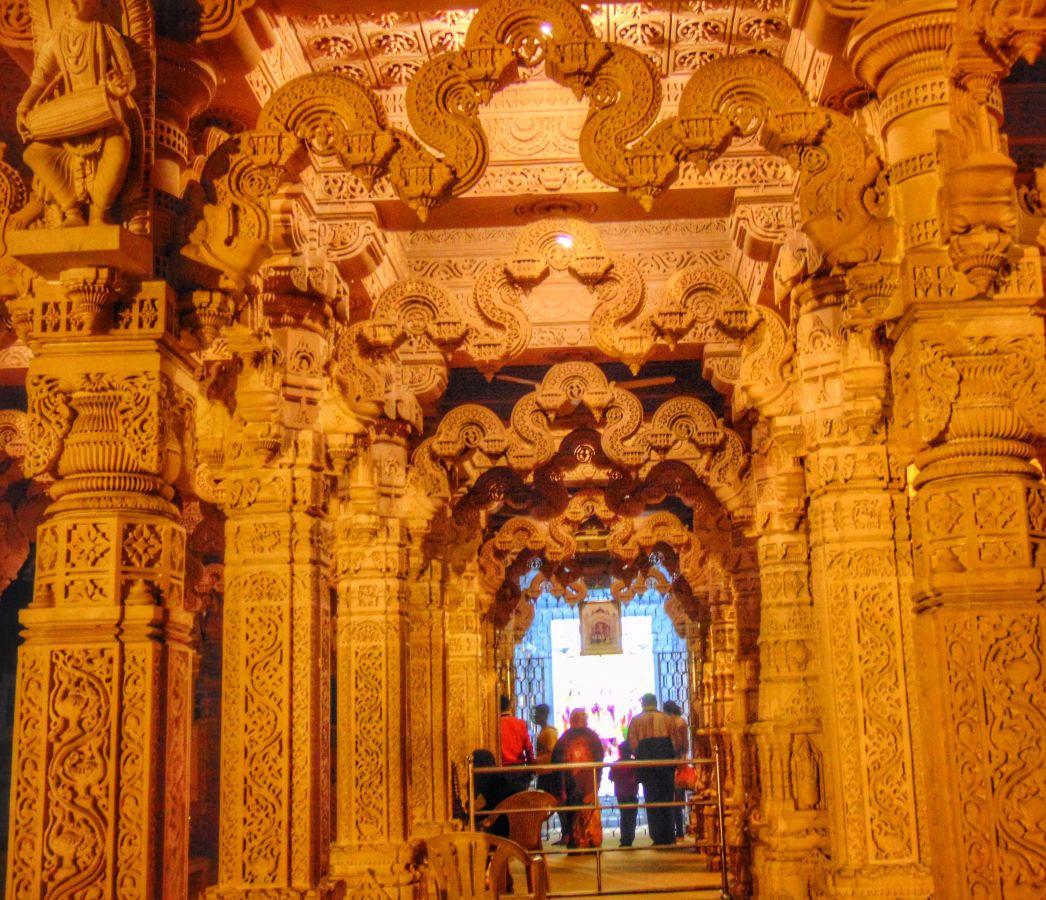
[643, 869]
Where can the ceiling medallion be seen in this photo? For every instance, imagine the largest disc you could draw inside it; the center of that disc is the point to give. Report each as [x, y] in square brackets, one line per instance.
[560, 206]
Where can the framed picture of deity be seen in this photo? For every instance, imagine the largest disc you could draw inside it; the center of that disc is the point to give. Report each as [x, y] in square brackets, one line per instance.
[600, 627]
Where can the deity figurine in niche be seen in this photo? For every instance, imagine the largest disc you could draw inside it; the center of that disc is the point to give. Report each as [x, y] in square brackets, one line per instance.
[78, 116]
[806, 777]
[600, 627]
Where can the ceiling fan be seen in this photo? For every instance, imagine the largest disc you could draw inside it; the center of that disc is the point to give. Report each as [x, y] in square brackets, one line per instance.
[632, 384]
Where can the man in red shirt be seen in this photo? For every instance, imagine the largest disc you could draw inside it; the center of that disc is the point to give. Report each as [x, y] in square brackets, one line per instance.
[516, 748]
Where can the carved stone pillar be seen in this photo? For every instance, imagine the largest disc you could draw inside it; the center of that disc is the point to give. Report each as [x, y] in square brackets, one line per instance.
[724, 725]
[968, 378]
[428, 782]
[505, 640]
[790, 826]
[372, 547]
[104, 694]
[275, 778]
[979, 540]
[864, 625]
[466, 701]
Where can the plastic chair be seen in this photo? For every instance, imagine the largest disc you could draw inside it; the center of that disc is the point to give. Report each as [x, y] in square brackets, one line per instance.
[525, 827]
[470, 865]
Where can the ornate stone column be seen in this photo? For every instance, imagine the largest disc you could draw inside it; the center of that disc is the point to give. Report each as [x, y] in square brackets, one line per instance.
[431, 720]
[505, 640]
[275, 775]
[969, 378]
[724, 724]
[372, 548]
[465, 668]
[104, 695]
[790, 827]
[875, 810]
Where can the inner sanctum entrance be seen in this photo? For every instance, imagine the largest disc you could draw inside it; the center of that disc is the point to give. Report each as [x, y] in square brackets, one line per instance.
[552, 666]
[567, 666]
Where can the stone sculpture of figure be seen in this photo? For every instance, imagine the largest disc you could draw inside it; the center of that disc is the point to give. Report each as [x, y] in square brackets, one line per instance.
[75, 114]
[806, 779]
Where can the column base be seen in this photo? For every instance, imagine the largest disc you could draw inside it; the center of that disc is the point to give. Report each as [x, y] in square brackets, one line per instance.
[329, 890]
[392, 871]
[789, 853]
[785, 875]
[898, 882]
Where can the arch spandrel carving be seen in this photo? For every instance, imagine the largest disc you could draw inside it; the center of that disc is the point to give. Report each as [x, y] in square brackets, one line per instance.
[329, 115]
[841, 193]
[420, 324]
[565, 387]
[623, 89]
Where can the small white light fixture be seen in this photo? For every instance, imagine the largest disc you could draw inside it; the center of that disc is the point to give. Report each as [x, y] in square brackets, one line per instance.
[546, 29]
[565, 241]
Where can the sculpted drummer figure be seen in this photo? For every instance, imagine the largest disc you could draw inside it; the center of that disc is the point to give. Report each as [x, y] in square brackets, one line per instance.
[74, 115]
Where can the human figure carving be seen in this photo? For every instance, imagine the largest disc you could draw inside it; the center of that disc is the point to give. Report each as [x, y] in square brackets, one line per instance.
[806, 780]
[74, 116]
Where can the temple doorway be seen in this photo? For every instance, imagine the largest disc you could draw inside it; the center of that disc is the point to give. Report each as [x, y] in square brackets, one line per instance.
[558, 664]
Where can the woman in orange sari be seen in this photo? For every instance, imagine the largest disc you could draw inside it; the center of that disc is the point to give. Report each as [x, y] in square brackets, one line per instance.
[580, 744]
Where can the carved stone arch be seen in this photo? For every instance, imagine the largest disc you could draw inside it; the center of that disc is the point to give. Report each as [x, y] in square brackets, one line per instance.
[698, 303]
[622, 86]
[764, 380]
[686, 430]
[517, 534]
[661, 527]
[517, 25]
[420, 324]
[470, 427]
[469, 441]
[572, 385]
[326, 113]
[571, 245]
[841, 192]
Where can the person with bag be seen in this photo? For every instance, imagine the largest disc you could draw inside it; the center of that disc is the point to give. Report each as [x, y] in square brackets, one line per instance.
[684, 775]
[650, 733]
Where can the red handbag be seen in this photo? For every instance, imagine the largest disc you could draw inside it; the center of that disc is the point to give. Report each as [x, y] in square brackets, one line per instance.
[686, 778]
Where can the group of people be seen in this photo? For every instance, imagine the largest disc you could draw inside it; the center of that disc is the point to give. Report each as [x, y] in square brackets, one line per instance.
[652, 734]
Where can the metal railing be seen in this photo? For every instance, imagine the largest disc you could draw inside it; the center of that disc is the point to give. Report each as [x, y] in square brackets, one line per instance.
[597, 806]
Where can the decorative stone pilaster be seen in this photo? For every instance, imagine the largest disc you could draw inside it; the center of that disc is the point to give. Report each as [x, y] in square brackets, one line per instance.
[971, 383]
[505, 640]
[275, 758]
[371, 854]
[465, 668]
[428, 792]
[104, 693]
[790, 827]
[865, 644]
[724, 725]
[967, 379]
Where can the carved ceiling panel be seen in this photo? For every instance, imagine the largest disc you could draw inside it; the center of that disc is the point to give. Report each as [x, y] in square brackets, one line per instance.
[383, 48]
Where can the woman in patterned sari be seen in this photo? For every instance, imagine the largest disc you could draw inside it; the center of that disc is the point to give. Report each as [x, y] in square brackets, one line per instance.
[580, 744]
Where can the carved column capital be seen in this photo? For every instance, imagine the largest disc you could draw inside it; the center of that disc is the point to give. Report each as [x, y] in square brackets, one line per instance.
[901, 52]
